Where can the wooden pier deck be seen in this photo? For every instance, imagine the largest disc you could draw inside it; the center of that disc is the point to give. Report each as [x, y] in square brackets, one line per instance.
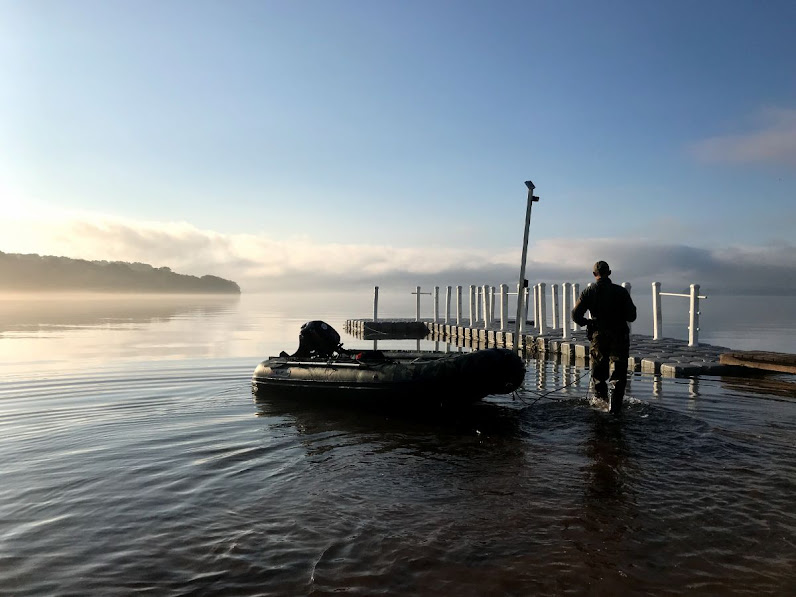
[668, 357]
[758, 359]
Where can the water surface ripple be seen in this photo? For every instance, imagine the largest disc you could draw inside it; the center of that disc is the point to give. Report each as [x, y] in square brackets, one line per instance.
[175, 481]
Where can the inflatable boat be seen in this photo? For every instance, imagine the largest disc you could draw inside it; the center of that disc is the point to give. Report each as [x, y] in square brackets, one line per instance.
[321, 368]
[390, 375]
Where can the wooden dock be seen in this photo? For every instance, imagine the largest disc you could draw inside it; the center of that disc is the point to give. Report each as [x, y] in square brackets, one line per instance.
[668, 357]
[757, 359]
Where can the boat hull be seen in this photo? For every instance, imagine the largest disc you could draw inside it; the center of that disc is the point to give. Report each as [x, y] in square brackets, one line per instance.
[459, 378]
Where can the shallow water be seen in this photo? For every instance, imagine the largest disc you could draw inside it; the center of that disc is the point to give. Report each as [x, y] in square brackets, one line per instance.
[135, 459]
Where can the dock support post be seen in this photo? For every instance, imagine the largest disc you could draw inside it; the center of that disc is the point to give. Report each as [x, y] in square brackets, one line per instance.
[417, 304]
[458, 306]
[693, 326]
[628, 287]
[448, 305]
[473, 310]
[657, 314]
[542, 308]
[575, 297]
[526, 300]
[492, 304]
[536, 306]
[504, 306]
[565, 310]
[485, 300]
[483, 304]
[436, 304]
[554, 297]
[478, 306]
[375, 303]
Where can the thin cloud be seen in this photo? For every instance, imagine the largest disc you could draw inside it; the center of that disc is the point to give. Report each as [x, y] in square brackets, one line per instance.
[772, 143]
[260, 263]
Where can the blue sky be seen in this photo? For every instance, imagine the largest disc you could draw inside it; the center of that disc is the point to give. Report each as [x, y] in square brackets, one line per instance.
[355, 130]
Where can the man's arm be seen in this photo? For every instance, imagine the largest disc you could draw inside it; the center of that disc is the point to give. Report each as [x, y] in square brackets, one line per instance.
[579, 312]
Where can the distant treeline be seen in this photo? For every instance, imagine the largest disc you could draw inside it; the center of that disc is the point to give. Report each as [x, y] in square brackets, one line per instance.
[46, 273]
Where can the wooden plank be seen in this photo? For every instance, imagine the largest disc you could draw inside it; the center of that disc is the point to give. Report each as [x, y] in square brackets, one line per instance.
[758, 359]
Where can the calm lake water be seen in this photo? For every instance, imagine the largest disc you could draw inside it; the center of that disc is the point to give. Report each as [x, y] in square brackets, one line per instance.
[134, 460]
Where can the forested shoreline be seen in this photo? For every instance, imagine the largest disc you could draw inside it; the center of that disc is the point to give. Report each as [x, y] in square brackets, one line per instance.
[34, 272]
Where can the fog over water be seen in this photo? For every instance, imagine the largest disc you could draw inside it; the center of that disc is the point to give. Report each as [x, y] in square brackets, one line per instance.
[135, 459]
[106, 327]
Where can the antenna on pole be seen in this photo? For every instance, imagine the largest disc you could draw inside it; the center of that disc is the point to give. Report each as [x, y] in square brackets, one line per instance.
[523, 283]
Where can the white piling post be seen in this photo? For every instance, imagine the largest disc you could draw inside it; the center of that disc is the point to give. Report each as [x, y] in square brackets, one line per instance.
[526, 300]
[536, 306]
[488, 306]
[492, 304]
[504, 306]
[417, 304]
[448, 305]
[436, 304]
[575, 297]
[479, 309]
[473, 309]
[458, 305]
[657, 314]
[542, 308]
[554, 297]
[565, 310]
[628, 287]
[693, 327]
[375, 303]
[485, 304]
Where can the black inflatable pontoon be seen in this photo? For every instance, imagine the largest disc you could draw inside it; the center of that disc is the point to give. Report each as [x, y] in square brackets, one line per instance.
[322, 368]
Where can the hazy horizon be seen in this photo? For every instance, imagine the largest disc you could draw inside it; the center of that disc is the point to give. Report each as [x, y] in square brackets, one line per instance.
[754, 273]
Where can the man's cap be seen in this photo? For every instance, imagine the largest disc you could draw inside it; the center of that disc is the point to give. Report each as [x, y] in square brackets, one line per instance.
[602, 268]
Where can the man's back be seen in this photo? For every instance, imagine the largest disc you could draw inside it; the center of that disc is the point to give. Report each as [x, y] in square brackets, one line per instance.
[610, 305]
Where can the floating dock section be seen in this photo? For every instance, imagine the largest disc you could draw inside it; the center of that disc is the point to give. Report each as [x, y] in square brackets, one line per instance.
[759, 359]
[666, 356]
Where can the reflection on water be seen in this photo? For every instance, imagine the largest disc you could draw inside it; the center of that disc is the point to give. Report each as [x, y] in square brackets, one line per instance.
[766, 385]
[42, 312]
[71, 331]
[607, 452]
[142, 463]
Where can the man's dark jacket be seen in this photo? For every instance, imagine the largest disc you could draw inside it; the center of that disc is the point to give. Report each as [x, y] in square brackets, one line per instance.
[610, 306]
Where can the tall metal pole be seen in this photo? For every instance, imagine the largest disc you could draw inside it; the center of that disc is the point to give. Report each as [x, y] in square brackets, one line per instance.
[521, 285]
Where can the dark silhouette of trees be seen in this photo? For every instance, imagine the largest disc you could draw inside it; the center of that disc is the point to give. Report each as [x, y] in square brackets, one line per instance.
[48, 273]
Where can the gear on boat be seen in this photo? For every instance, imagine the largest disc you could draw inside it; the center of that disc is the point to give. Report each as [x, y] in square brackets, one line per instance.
[318, 339]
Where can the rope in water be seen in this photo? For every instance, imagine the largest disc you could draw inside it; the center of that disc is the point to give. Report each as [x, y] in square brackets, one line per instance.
[553, 391]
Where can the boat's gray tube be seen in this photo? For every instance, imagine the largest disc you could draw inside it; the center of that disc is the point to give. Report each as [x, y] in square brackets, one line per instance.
[467, 376]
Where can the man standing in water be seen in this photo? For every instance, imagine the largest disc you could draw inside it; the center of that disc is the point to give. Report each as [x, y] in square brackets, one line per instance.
[611, 309]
